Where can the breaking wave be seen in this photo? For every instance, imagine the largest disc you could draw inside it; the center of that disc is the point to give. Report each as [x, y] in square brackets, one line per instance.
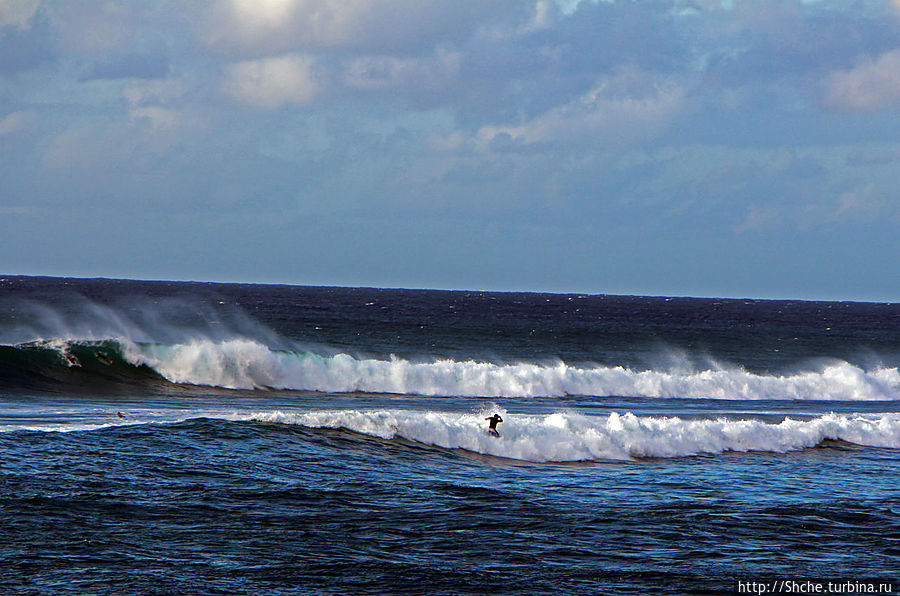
[564, 437]
[249, 364]
[556, 437]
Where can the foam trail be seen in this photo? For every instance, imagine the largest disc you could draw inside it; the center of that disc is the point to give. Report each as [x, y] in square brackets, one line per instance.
[249, 364]
[562, 437]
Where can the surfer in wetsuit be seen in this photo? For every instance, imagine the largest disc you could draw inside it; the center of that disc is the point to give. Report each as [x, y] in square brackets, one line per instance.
[492, 425]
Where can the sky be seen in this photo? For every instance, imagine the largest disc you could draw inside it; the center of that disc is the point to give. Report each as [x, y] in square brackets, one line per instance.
[733, 148]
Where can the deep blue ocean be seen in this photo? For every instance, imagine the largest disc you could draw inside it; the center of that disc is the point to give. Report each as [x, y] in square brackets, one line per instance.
[189, 438]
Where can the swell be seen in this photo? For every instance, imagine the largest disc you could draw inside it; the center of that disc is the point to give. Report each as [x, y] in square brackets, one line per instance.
[242, 363]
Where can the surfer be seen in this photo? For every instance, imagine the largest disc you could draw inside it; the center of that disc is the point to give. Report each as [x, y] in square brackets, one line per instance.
[492, 425]
[120, 415]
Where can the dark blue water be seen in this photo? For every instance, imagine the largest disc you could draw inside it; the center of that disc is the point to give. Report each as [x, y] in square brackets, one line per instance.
[284, 440]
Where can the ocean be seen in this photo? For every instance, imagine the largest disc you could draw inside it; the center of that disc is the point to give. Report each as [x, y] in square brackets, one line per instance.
[193, 438]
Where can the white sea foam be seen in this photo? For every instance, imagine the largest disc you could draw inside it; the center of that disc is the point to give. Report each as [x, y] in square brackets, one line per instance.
[248, 364]
[561, 437]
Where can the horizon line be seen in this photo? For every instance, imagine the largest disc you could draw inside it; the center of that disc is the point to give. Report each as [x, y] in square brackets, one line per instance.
[439, 289]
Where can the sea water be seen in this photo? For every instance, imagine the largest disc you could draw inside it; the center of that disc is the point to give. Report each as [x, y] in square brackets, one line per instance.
[185, 438]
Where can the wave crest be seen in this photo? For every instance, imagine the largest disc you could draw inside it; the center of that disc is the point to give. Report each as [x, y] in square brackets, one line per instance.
[248, 364]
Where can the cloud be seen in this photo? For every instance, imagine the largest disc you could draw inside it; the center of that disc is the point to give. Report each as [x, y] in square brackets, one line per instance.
[144, 92]
[157, 102]
[759, 217]
[625, 106]
[544, 17]
[129, 144]
[824, 206]
[268, 27]
[86, 148]
[157, 116]
[272, 82]
[161, 103]
[16, 122]
[17, 13]
[381, 73]
[93, 27]
[278, 25]
[871, 86]
[23, 49]
[862, 203]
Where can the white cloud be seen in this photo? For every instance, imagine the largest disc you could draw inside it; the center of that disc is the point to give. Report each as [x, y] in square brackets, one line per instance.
[278, 25]
[156, 116]
[95, 27]
[569, 7]
[863, 203]
[16, 121]
[157, 102]
[622, 107]
[256, 28]
[272, 82]
[449, 143]
[144, 92]
[543, 16]
[871, 86]
[860, 203]
[378, 73]
[17, 13]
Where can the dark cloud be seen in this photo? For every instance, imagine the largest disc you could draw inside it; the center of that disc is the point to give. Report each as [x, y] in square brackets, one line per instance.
[771, 40]
[601, 36]
[535, 71]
